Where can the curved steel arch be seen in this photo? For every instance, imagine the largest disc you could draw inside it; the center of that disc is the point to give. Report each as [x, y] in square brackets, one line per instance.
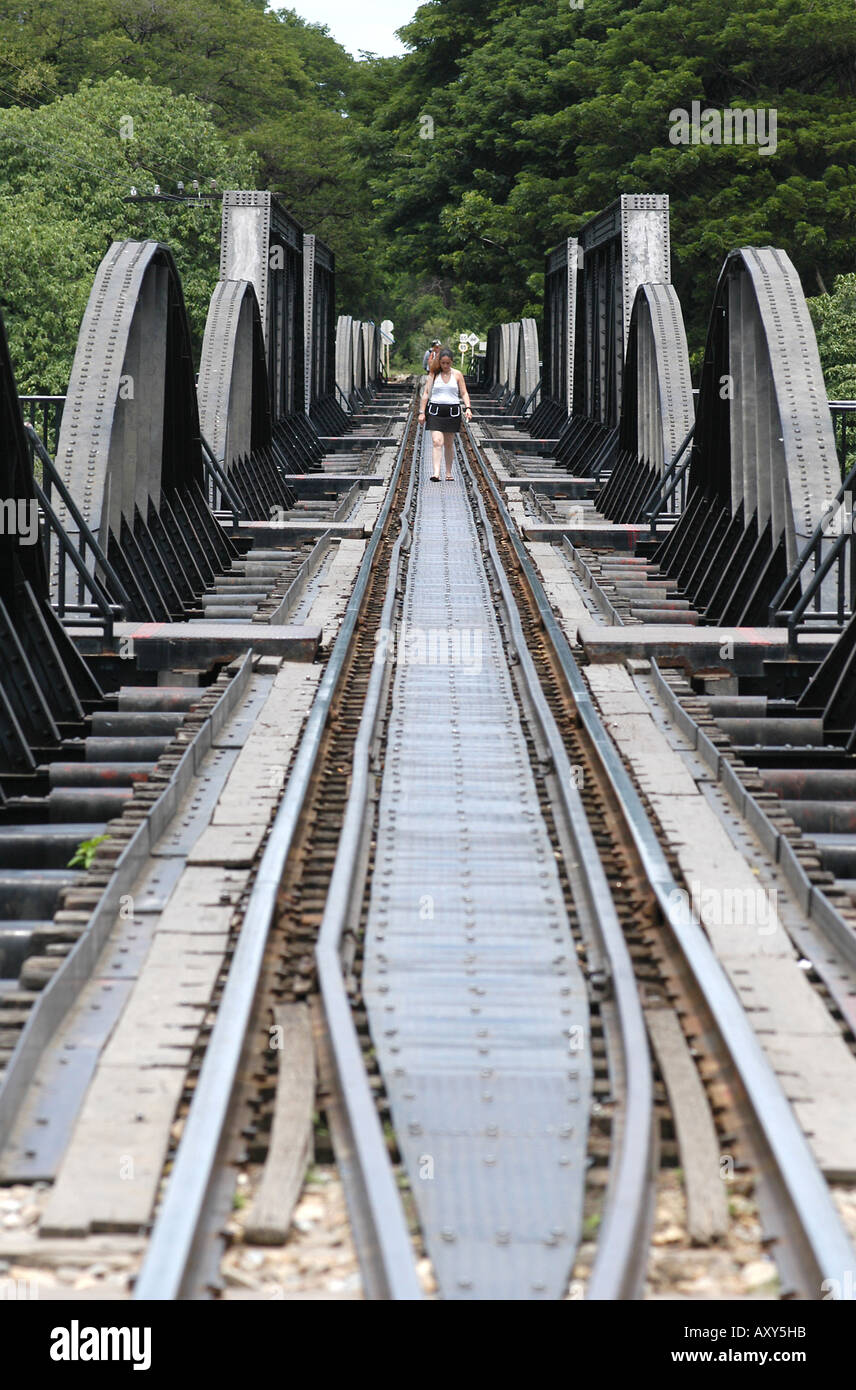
[527, 358]
[764, 435]
[345, 355]
[371, 353]
[764, 467]
[131, 422]
[234, 399]
[358, 359]
[657, 409]
[129, 448]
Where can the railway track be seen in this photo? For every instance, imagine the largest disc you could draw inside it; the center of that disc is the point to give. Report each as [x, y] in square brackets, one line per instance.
[433, 859]
[306, 927]
[679, 950]
[273, 950]
[618, 889]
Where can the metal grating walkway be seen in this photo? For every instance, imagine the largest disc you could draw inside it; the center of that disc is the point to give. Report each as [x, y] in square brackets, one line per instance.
[476, 1004]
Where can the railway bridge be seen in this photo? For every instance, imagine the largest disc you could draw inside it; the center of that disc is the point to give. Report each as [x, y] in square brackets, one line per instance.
[461, 878]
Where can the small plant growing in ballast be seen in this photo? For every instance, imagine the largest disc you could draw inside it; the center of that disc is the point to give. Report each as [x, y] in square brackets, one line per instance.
[85, 852]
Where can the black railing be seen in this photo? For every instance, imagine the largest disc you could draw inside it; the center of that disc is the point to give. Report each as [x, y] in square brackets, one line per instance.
[531, 401]
[44, 414]
[844, 424]
[99, 609]
[830, 545]
[672, 483]
[829, 554]
[220, 493]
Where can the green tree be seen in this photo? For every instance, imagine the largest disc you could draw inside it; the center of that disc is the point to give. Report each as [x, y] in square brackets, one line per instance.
[543, 114]
[278, 85]
[834, 318]
[66, 171]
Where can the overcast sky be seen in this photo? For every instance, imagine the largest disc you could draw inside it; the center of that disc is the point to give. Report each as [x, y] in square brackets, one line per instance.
[367, 24]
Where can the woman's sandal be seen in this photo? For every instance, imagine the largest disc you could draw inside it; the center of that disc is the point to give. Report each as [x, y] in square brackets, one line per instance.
[435, 477]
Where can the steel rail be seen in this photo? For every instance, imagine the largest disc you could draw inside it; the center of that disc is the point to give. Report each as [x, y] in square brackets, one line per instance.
[619, 1267]
[391, 1261]
[179, 1230]
[387, 1258]
[816, 1232]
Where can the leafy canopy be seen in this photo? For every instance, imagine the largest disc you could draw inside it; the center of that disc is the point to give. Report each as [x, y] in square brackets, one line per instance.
[543, 114]
[66, 169]
[439, 178]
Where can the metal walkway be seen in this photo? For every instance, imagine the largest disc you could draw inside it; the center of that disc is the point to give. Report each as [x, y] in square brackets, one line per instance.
[477, 1007]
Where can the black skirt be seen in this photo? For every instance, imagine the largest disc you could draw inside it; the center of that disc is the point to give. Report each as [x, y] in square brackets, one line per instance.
[440, 416]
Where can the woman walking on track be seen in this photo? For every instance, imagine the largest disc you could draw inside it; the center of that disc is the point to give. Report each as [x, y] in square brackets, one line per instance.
[445, 394]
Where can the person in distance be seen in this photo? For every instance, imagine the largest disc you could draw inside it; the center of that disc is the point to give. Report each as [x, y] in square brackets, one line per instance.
[431, 353]
[444, 399]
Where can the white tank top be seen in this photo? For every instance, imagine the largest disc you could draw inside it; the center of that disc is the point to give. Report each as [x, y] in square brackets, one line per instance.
[445, 393]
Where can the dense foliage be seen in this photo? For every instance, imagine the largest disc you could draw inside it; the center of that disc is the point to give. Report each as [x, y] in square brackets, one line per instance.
[834, 318]
[221, 91]
[66, 170]
[439, 178]
[543, 113]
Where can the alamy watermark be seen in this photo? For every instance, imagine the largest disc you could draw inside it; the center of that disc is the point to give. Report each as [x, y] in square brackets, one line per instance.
[84, 1343]
[728, 907]
[733, 126]
[19, 516]
[437, 646]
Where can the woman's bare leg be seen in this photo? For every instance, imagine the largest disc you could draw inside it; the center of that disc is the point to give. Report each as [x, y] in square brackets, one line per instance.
[449, 446]
[437, 443]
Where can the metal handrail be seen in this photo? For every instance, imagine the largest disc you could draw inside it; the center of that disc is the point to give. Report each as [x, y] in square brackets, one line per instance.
[49, 426]
[671, 480]
[530, 398]
[814, 584]
[108, 611]
[76, 555]
[811, 547]
[842, 409]
[213, 467]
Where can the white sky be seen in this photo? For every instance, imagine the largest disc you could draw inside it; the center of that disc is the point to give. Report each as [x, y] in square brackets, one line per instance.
[356, 24]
